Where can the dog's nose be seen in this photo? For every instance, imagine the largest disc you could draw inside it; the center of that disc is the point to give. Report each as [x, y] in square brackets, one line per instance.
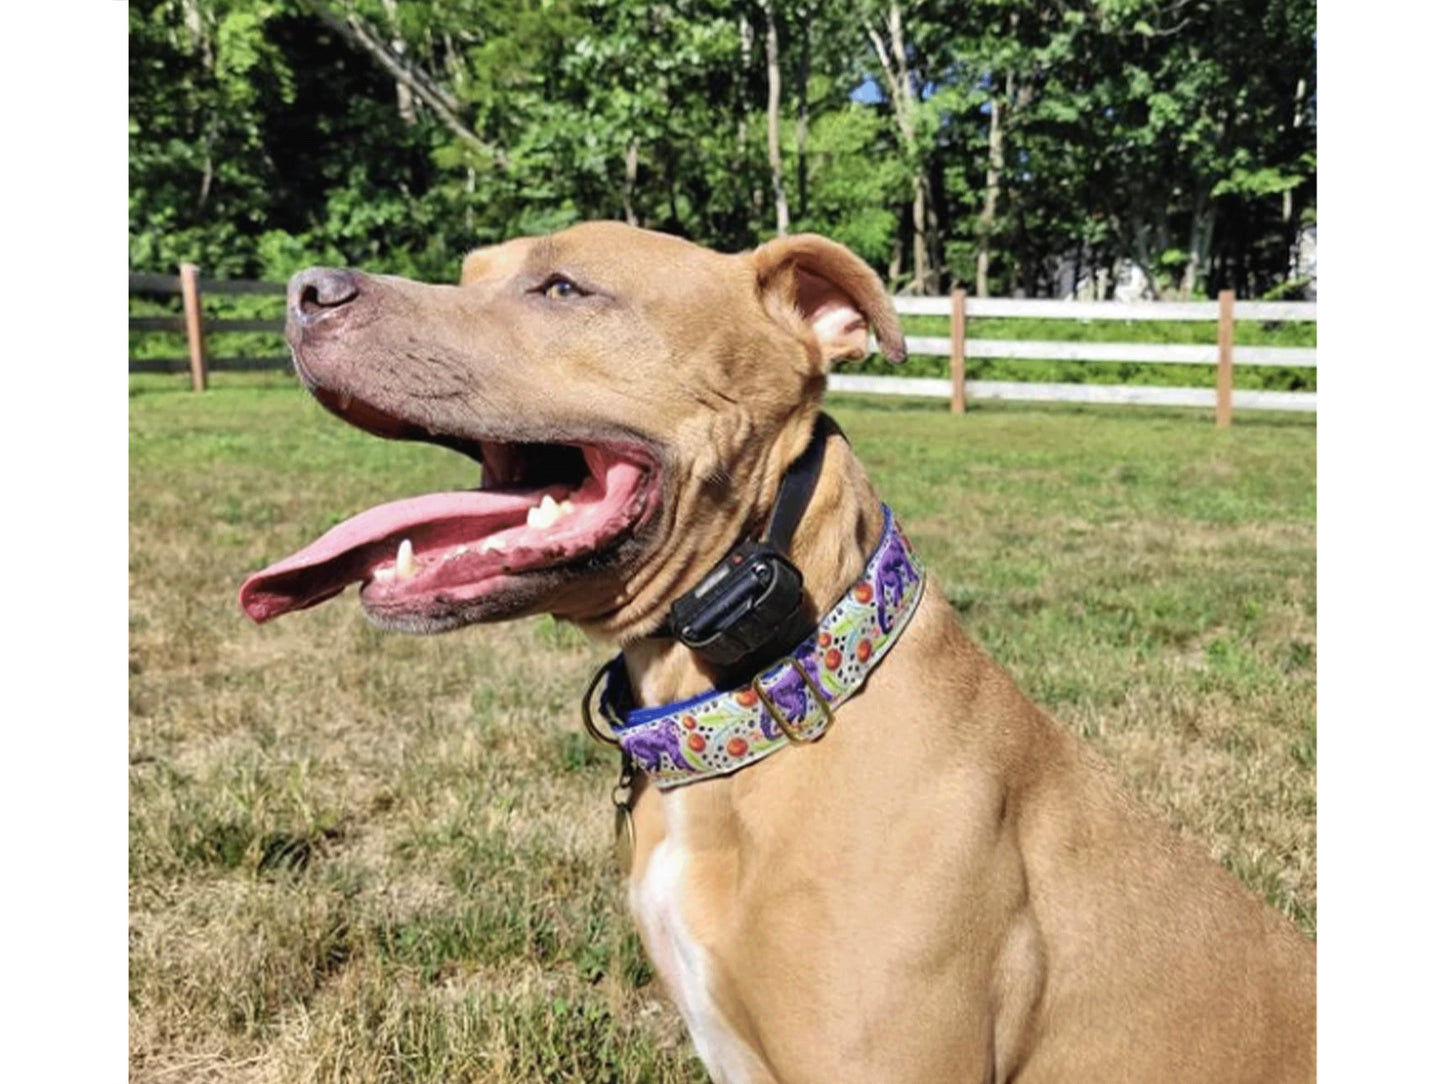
[320, 291]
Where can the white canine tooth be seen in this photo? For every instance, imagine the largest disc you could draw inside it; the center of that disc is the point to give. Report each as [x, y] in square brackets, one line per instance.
[405, 561]
[544, 514]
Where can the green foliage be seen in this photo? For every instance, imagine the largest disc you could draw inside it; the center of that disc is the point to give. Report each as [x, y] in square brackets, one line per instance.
[852, 183]
[1180, 136]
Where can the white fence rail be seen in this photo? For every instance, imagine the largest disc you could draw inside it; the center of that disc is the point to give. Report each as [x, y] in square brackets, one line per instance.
[957, 346]
[1224, 355]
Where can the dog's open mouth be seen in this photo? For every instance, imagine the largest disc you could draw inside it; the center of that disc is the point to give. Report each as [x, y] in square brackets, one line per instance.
[541, 506]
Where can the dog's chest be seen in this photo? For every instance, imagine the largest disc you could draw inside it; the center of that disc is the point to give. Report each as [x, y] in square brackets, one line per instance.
[684, 966]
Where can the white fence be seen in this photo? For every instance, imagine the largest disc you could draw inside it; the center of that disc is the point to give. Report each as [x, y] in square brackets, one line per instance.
[1224, 355]
[957, 346]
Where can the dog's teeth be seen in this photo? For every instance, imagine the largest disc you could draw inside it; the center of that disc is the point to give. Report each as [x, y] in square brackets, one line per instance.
[493, 545]
[405, 560]
[544, 514]
[384, 575]
[566, 508]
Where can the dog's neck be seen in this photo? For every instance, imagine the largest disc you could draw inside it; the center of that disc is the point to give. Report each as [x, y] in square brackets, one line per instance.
[839, 529]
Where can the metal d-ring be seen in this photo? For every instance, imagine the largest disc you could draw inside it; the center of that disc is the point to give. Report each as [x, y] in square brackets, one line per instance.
[624, 832]
[587, 721]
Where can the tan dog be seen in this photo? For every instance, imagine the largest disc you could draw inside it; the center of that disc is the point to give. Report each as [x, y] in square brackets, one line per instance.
[947, 886]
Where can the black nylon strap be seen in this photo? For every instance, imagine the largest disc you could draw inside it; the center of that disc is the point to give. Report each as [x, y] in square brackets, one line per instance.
[794, 494]
[796, 490]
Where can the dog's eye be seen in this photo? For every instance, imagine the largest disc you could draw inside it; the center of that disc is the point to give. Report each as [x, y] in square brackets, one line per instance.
[560, 288]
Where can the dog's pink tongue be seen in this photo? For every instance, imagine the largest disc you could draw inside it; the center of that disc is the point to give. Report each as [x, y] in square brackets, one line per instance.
[344, 554]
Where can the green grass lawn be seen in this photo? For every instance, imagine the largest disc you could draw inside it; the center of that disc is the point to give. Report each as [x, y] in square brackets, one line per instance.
[361, 856]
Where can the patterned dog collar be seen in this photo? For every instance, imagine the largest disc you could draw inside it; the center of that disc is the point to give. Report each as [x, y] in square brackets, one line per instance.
[792, 701]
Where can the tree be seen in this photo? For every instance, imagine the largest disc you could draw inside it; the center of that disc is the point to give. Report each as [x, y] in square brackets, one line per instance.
[898, 64]
[1019, 147]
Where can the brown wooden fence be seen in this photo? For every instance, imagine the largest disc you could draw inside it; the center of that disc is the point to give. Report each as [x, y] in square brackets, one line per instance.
[1224, 354]
[195, 325]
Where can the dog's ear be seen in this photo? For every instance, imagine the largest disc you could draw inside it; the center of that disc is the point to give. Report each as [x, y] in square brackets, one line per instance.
[835, 294]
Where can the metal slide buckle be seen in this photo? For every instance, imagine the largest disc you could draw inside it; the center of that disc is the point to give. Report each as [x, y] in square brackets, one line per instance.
[795, 734]
[587, 720]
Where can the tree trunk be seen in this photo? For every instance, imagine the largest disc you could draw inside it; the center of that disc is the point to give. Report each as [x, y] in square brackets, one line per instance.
[629, 182]
[934, 281]
[986, 218]
[469, 215]
[195, 23]
[740, 96]
[1287, 208]
[1297, 121]
[805, 63]
[432, 96]
[405, 103]
[893, 58]
[919, 211]
[1201, 244]
[1144, 252]
[745, 38]
[775, 89]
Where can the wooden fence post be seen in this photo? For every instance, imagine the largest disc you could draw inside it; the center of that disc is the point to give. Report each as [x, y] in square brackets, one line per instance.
[959, 358]
[1224, 383]
[195, 324]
